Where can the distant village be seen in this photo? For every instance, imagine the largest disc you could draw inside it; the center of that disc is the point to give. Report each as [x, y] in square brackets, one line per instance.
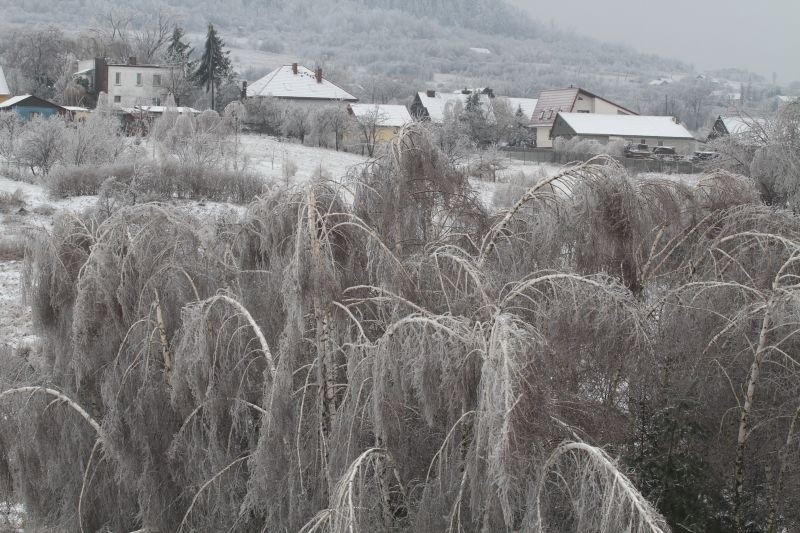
[139, 93]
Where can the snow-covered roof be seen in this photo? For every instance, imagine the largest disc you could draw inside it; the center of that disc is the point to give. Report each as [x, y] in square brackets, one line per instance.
[528, 105]
[393, 116]
[738, 125]
[161, 109]
[14, 100]
[3, 84]
[284, 83]
[625, 125]
[484, 51]
[783, 98]
[75, 109]
[440, 103]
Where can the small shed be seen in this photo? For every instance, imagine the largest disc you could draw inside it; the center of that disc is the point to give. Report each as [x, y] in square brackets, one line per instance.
[28, 106]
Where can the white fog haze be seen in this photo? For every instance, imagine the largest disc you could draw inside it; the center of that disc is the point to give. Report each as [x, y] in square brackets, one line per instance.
[710, 34]
[399, 266]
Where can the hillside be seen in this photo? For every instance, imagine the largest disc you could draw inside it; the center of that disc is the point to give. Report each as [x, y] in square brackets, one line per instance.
[417, 42]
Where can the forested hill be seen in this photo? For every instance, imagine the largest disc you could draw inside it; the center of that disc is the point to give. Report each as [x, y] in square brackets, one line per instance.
[416, 41]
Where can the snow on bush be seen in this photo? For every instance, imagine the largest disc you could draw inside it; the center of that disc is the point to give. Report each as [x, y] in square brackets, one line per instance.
[400, 360]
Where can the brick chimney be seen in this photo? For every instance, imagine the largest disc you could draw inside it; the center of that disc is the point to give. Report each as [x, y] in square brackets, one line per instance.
[294, 68]
[318, 74]
[431, 93]
[100, 75]
[132, 60]
[244, 91]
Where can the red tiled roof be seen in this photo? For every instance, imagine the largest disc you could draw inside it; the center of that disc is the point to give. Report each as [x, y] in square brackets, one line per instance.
[562, 101]
[551, 103]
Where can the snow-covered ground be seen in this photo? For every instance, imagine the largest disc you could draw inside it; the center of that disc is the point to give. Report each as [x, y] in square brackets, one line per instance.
[267, 156]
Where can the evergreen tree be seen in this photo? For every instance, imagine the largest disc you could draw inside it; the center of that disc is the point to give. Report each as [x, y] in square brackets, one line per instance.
[179, 51]
[214, 66]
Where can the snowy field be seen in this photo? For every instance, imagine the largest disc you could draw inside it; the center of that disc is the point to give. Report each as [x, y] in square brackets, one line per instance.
[267, 156]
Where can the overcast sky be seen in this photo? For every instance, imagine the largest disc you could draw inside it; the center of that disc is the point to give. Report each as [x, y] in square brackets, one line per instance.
[760, 35]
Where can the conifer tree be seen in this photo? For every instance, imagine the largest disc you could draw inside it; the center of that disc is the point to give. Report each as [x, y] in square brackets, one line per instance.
[214, 66]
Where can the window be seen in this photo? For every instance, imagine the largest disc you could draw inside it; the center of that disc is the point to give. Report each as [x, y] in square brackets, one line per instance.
[117, 99]
[644, 141]
[661, 143]
[541, 115]
[139, 79]
[156, 80]
[117, 78]
[34, 114]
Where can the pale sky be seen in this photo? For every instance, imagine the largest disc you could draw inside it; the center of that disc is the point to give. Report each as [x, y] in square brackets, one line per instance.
[762, 36]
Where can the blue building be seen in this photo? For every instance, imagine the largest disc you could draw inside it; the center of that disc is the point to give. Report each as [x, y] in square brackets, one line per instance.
[28, 106]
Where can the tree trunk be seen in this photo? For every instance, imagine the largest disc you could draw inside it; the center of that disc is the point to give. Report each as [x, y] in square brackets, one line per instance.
[752, 381]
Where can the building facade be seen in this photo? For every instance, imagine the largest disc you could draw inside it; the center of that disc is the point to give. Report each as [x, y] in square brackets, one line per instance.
[571, 100]
[131, 84]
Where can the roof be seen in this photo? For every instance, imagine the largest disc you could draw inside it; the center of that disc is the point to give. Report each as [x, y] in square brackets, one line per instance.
[137, 66]
[562, 101]
[442, 103]
[528, 105]
[624, 125]
[84, 71]
[551, 103]
[161, 109]
[737, 125]
[478, 50]
[3, 85]
[284, 83]
[75, 109]
[395, 116]
[17, 100]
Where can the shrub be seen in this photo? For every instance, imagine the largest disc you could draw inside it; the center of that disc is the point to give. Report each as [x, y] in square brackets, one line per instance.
[12, 248]
[153, 181]
[12, 201]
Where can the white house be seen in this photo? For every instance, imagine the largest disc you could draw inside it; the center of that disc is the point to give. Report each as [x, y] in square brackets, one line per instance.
[650, 130]
[127, 84]
[297, 83]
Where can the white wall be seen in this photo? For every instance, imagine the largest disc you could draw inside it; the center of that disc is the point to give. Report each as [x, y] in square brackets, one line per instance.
[127, 93]
[543, 139]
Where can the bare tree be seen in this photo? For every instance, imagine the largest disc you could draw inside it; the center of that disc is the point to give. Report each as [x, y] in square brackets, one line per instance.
[42, 143]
